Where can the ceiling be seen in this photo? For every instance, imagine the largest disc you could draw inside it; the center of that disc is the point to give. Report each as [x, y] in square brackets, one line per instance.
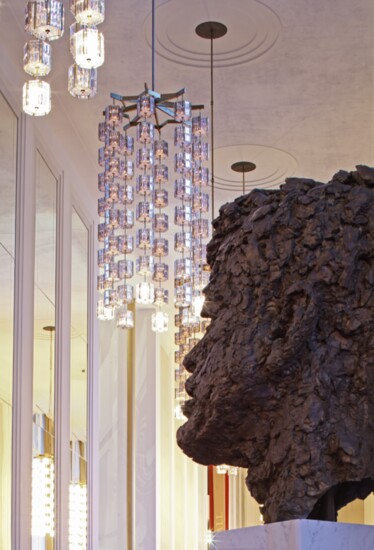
[293, 81]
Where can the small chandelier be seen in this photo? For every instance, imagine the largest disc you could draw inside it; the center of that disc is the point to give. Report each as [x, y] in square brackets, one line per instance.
[36, 97]
[44, 20]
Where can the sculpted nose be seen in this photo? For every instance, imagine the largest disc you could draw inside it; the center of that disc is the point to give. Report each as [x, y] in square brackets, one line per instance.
[210, 309]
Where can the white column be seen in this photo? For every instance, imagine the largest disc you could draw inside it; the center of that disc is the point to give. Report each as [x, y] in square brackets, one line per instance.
[93, 412]
[23, 337]
[62, 363]
[146, 533]
[112, 500]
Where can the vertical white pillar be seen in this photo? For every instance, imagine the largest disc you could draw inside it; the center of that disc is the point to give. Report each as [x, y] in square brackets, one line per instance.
[62, 364]
[145, 434]
[93, 398]
[113, 491]
[23, 337]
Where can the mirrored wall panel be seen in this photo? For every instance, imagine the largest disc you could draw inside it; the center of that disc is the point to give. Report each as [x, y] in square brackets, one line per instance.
[78, 386]
[43, 466]
[8, 146]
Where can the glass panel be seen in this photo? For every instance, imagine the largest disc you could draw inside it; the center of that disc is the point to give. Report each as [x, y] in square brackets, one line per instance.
[78, 387]
[8, 145]
[43, 502]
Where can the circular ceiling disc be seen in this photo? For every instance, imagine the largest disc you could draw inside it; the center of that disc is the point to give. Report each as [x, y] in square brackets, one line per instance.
[243, 167]
[211, 30]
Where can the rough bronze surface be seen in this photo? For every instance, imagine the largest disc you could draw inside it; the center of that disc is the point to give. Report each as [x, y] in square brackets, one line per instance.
[283, 381]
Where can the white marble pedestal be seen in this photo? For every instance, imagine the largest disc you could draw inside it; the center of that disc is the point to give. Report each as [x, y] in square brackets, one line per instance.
[300, 534]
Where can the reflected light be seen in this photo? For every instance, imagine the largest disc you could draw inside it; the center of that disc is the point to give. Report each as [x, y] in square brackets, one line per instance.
[43, 478]
[77, 516]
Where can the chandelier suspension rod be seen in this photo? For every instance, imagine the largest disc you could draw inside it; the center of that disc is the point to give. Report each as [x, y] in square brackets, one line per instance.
[211, 30]
[153, 44]
[212, 116]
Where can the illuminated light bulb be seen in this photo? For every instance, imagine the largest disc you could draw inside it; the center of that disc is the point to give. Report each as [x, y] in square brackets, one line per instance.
[36, 98]
[77, 516]
[82, 82]
[125, 319]
[87, 46]
[45, 19]
[145, 293]
[104, 313]
[37, 55]
[88, 12]
[43, 498]
[160, 322]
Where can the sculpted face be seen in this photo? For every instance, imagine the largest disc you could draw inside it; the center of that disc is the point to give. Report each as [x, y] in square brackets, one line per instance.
[282, 383]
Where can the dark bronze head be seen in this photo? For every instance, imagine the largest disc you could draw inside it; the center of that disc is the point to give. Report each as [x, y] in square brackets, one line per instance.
[283, 381]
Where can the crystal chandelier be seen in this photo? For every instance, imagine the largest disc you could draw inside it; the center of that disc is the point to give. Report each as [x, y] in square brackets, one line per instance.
[86, 47]
[44, 20]
[154, 114]
[151, 173]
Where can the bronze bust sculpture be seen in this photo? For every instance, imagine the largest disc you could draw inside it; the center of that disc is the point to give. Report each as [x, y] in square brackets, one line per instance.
[283, 381]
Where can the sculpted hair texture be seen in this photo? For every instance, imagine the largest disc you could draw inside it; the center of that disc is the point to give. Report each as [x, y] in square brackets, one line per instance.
[283, 381]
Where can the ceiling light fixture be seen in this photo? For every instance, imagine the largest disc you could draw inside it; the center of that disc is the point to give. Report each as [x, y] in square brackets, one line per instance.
[149, 113]
[44, 19]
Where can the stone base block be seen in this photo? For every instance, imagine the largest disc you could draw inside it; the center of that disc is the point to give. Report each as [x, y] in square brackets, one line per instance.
[298, 535]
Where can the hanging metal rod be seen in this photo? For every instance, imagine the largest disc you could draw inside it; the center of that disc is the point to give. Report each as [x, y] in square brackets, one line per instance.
[211, 30]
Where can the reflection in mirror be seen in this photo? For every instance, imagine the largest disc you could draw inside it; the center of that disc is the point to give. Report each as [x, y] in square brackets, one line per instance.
[43, 501]
[8, 144]
[78, 385]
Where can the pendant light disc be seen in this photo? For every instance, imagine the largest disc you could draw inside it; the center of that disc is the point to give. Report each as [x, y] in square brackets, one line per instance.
[211, 30]
[243, 167]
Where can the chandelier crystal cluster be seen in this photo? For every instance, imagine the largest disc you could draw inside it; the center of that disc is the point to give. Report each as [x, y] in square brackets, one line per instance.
[191, 273]
[153, 164]
[86, 47]
[44, 21]
[116, 220]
